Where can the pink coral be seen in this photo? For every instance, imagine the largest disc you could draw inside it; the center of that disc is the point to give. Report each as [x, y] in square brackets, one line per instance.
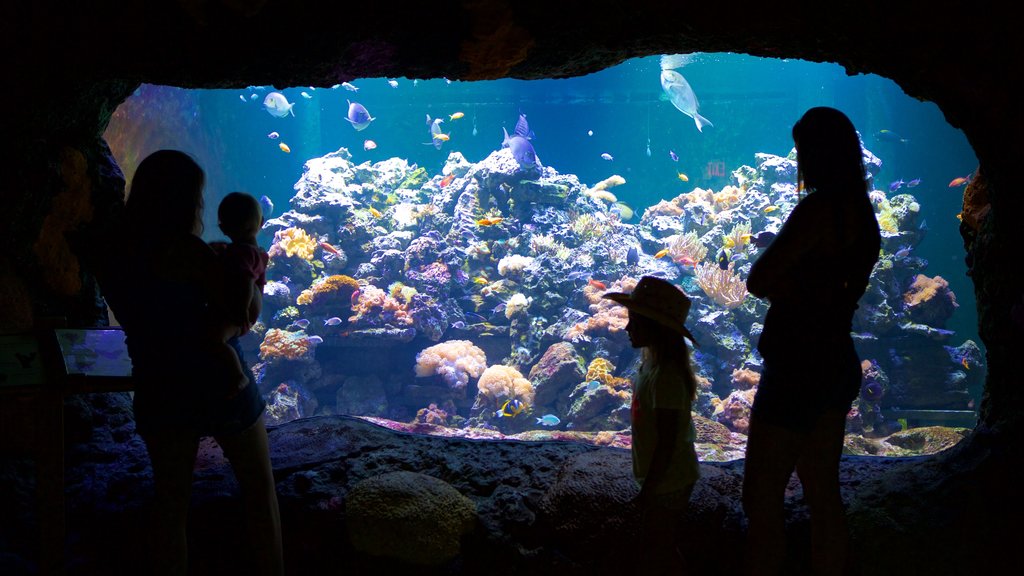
[431, 415]
[734, 411]
[376, 307]
[454, 360]
[607, 316]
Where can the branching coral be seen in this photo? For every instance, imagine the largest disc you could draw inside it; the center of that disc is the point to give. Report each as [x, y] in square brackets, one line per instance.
[725, 287]
[285, 345]
[454, 360]
[336, 289]
[376, 307]
[687, 249]
[499, 383]
[293, 242]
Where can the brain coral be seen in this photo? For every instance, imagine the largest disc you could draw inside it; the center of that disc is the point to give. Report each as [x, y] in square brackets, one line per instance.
[500, 383]
[409, 516]
[454, 360]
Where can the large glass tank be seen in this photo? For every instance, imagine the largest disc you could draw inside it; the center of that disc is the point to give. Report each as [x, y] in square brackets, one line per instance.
[438, 250]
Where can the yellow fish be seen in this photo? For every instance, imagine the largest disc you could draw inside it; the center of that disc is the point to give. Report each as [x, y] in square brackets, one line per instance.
[683, 177]
[441, 137]
[963, 362]
[284, 148]
[770, 209]
[488, 221]
[481, 280]
[456, 116]
[376, 213]
[661, 253]
[960, 216]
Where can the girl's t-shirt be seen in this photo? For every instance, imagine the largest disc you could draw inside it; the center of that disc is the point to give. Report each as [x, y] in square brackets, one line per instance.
[663, 389]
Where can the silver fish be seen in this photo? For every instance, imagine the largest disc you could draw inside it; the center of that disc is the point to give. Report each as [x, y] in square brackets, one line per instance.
[682, 97]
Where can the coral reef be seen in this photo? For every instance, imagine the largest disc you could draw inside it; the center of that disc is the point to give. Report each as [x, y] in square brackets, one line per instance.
[930, 301]
[293, 242]
[373, 307]
[280, 344]
[331, 291]
[687, 249]
[432, 415]
[456, 361]
[483, 256]
[724, 286]
[499, 383]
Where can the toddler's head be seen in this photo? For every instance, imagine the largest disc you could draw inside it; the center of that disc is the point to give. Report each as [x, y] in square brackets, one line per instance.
[239, 216]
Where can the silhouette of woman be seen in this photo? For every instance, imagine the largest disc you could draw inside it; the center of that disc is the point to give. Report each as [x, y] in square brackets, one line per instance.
[812, 274]
[160, 286]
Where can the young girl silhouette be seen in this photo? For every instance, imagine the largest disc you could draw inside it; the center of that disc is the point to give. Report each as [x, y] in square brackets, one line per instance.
[664, 459]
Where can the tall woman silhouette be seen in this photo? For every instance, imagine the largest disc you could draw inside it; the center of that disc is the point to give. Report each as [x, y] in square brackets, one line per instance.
[812, 274]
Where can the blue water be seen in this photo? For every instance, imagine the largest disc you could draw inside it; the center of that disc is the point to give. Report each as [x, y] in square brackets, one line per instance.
[752, 103]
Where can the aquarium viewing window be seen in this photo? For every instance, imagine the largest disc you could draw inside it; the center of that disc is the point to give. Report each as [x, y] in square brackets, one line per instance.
[438, 250]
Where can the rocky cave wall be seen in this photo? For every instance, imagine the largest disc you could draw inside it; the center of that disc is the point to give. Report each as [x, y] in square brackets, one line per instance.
[73, 64]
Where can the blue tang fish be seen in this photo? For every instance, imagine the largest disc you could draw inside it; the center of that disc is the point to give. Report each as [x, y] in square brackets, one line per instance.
[277, 105]
[632, 256]
[267, 206]
[358, 116]
[681, 95]
[520, 145]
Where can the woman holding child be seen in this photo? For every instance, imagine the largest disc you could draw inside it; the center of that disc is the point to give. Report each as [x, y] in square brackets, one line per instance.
[160, 289]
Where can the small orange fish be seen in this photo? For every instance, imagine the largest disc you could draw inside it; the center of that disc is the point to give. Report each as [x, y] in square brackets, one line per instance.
[447, 180]
[661, 253]
[597, 284]
[963, 362]
[489, 221]
[376, 213]
[442, 137]
[284, 148]
[328, 248]
[481, 280]
[683, 177]
[456, 116]
[959, 181]
[960, 216]
[770, 209]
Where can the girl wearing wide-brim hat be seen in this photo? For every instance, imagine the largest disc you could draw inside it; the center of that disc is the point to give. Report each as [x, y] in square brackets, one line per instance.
[664, 459]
